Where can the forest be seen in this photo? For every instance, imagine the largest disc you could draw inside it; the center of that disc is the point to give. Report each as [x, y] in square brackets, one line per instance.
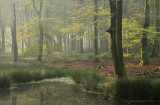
[79, 52]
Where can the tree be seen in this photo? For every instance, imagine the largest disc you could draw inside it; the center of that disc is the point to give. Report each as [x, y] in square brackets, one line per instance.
[2, 32]
[96, 32]
[39, 12]
[144, 47]
[14, 37]
[156, 40]
[115, 31]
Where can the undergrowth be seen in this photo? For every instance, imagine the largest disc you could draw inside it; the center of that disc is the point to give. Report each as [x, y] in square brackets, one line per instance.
[23, 73]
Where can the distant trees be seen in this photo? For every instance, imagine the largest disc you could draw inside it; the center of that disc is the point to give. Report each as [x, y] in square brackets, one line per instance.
[115, 31]
[78, 26]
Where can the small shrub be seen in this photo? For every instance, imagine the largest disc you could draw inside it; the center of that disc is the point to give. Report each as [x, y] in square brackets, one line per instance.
[21, 76]
[5, 81]
[37, 75]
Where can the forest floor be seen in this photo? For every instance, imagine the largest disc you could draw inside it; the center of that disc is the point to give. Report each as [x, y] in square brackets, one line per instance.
[106, 67]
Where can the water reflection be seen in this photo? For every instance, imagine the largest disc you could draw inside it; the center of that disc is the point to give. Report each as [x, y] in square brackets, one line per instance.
[53, 93]
[14, 99]
[49, 93]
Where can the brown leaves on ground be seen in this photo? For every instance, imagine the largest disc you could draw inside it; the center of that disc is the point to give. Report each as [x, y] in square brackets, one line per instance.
[106, 67]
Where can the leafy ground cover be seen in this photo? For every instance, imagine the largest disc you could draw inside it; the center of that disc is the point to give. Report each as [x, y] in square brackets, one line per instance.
[106, 66]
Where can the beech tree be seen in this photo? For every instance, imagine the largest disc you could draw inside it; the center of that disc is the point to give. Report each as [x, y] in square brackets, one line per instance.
[115, 31]
[96, 31]
[144, 47]
[39, 13]
[14, 37]
[157, 22]
[2, 26]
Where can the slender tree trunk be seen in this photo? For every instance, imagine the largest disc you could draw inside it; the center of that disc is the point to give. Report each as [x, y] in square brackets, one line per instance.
[14, 38]
[96, 59]
[144, 47]
[81, 42]
[27, 21]
[40, 42]
[73, 43]
[2, 33]
[39, 12]
[156, 41]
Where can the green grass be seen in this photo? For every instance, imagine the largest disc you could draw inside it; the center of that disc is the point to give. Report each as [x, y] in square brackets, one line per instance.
[37, 75]
[156, 90]
[136, 89]
[23, 73]
[89, 78]
[5, 81]
[21, 76]
[139, 89]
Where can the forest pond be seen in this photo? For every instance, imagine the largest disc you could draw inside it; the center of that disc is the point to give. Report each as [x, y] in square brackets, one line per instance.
[60, 91]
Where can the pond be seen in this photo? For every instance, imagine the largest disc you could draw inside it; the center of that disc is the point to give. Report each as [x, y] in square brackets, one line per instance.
[61, 91]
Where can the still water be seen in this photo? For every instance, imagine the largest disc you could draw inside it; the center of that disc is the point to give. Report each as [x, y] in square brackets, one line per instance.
[61, 91]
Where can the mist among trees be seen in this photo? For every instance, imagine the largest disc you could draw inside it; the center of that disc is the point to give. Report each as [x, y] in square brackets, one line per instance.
[119, 38]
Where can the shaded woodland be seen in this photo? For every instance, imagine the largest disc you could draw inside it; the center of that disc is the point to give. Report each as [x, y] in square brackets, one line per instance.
[119, 39]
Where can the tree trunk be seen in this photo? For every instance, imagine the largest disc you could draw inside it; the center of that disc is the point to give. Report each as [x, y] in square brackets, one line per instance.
[40, 42]
[121, 68]
[14, 38]
[81, 42]
[156, 41]
[2, 33]
[27, 15]
[39, 12]
[96, 59]
[116, 38]
[144, 47]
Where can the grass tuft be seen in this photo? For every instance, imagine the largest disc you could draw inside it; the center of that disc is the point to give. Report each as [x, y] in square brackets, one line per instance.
[88, 78]
[37, 75]
[5, 81]
[20, 76]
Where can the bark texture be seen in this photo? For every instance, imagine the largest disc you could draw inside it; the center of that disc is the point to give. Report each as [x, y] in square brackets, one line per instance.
[156, 40]
[144, 47]
[116, 37]
[14, 37]
[96, 32]
[39, 12]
